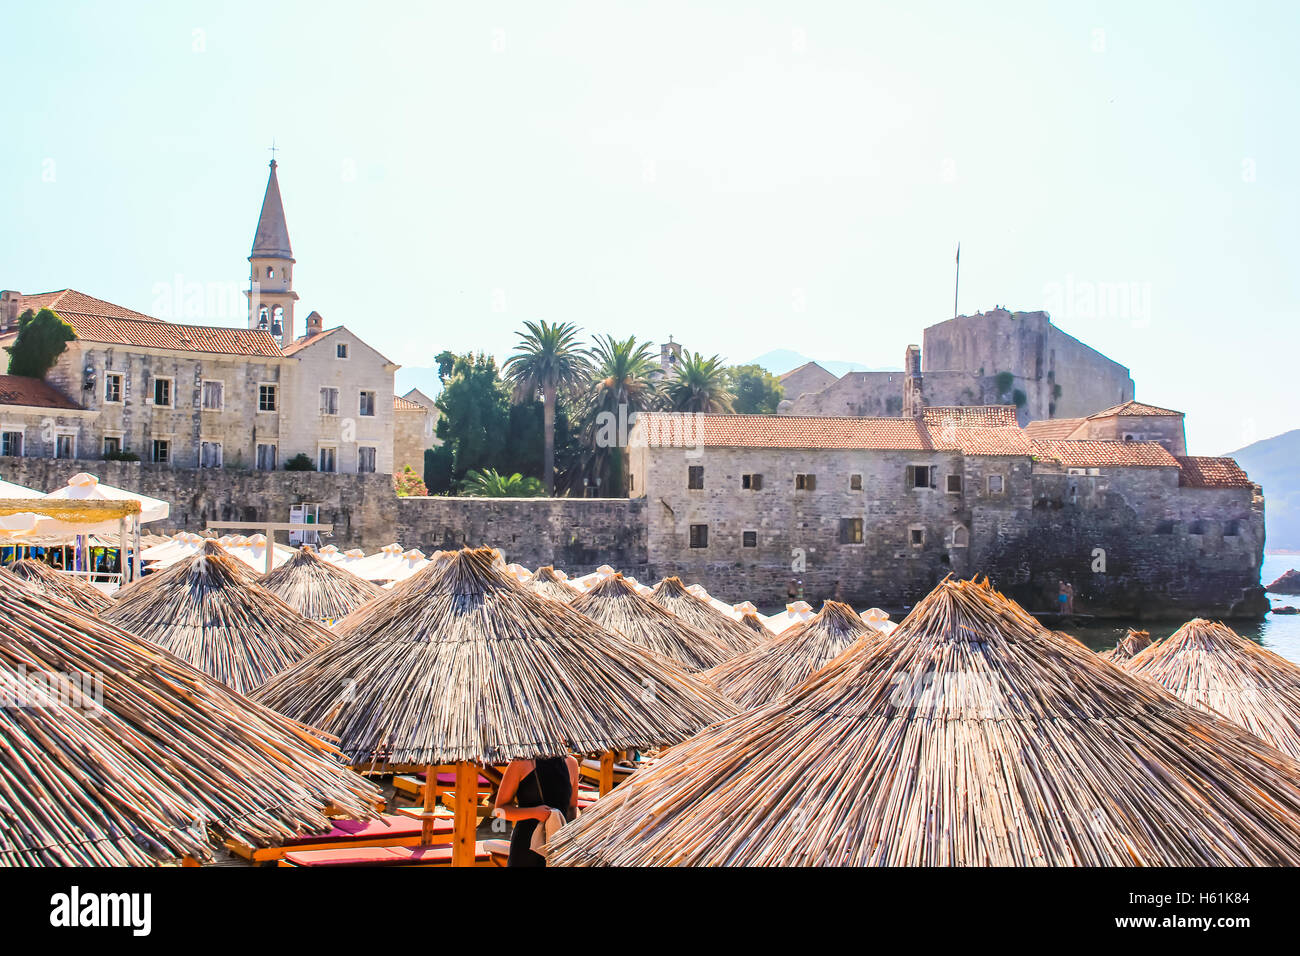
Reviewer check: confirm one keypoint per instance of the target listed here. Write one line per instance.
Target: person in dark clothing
(529, 790)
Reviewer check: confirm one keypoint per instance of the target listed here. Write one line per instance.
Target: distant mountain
(425, 379)
(780, 361)
(1275, 464)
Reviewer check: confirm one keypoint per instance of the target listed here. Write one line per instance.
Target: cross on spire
(273, 148)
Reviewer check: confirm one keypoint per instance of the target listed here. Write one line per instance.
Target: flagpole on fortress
(956, 282)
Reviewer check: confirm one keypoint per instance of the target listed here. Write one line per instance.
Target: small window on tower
(341, 350)
(270, 272)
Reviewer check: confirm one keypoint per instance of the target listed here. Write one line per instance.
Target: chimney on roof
(9, 301)
(314, 323)
(913, 390)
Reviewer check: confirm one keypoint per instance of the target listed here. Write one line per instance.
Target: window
(695, 478)
(631, 482)
(751, 482)
(263, 318)
(850, 531)
(960, 536)
(162, 392)
(699, 536)
(328, 458)
(214, 395)
(341, 350)
(954, 484)
(366, 460)
(161, 453)
(266, 455)
(1196, 527)
(266, 398)
(916, 537)
(112, 387)
(1165, 527)
(366, 406)
(270, 272)
(805, 482)
(1231, 529)
(996, 483)
(855, 482)
(65, 446)
(329, 402)
(922, 476)
(11, 444)
(210, 454)
(112, 445)
(749, 539)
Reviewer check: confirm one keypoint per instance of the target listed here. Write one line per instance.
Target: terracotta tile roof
(307, 340)
(95, 320)
(981, 415)
(1053, 429)
(1199, 472)
(788, 431)
(1134, 408)
(1100, 454)
(406, 405)
(34, 392)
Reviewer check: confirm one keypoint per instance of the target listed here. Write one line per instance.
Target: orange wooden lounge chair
(388, 830)
(439, 855)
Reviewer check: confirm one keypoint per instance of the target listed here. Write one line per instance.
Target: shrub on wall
(408, 484)
(300, 462)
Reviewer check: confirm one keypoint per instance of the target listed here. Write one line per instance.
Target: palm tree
(699, 385)
(548, 362)
(490, 484)
(623, 376)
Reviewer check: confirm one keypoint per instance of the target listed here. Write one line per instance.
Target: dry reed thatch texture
(211, 616)
(782, 663)
(179, 569)
(1129, 647)
(753, 622)
(1209, 665)
(67, 588)
(465, 664)
(671, 595)
(968, 736)
(170, 754)
(615, 605)
(545, 582)
(318, 589)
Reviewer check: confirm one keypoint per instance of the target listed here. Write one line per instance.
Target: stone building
(882, 508)
(1127, 421)
(809, 377)
(995, 357)
(193, 396)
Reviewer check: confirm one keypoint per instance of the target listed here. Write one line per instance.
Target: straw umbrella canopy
(209, 547)
(782, 663)
(615, 604)
(114, 752)
(969, 736)
(673, 596)
(463, 665)
(752, 620)
(1128, 648)
(210, 615)
(317, 589)
(66, 587)
(548, 584)
(1209, 665)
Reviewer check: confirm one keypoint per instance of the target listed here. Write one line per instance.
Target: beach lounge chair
(437, 855)
(389, 830)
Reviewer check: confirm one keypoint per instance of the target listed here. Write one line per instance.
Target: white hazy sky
(744, 176)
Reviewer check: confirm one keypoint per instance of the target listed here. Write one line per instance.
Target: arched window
(270, 272)
(263, 317)
(960, 536)
(277, 320)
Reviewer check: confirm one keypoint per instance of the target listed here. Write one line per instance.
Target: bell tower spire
(270, 281)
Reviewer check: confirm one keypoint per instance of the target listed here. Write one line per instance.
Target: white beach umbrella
(795, 612)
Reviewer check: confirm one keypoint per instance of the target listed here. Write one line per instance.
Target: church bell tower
(270, 282)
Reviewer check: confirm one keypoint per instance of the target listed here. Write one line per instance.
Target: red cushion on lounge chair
(388, 825)
(449, 780)
(378, 856)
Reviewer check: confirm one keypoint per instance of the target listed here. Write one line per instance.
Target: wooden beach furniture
(393, 829)
(438, 855)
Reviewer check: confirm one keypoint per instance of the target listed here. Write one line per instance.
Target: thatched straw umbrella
(548, 584)
(463, 665)
(615, 605)
(672, 595)
(1128, 648)
(125, 755)
(317, 589)
(180, 569)
(208, 614)
(969, 736)
(1211, 666)
(753, 621)
(782, 663)
(65, 587)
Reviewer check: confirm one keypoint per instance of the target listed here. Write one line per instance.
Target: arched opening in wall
(960, 536)
(270, 272)
(250, 514)
(263, 318)
(277, 320)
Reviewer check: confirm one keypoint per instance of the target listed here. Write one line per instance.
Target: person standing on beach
(1062, 597)
(529, 791)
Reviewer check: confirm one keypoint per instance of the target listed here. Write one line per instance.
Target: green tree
(622, 383)
(475, 407)
(42, 338)
(549, 363)
(491, 484)
(756, 391)
(699, 384)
